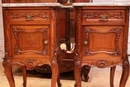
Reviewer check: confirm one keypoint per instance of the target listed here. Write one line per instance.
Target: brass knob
(29, 17)
(46, 42)
(85, 42)
(104, 17)
(68, 2)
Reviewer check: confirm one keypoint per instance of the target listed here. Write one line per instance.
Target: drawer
(103, 17)
(29, 16)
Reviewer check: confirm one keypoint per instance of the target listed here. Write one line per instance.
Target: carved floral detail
(54, 54)
(7, 39)
(16, 31)
(67, 66)
(43, 69)
(95, 15)
(77, 51)
(126, 63)
(44, 31)
(53, 39)
(31, 63)
(43, 15)
(102, 63)
(15, 16)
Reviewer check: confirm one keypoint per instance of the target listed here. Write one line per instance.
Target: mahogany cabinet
(31, 39)
(101, 40)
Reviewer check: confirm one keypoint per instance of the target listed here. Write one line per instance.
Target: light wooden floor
(98, 78)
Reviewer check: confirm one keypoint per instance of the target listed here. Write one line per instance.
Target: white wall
(129, 37)
(109, 0)
(2, 34)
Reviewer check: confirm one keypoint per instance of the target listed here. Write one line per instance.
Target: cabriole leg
(8, 72)
(55, 72)
(125, 73)
(77, 70)
(112, 72)
(24, 76)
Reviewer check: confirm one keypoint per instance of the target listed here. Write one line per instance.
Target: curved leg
(24, 76)
(85, 71)
(112, 72)
(58, 80)
(8, 72)
(77, 70)
(55, 73)
(125, 73)
(59, 60)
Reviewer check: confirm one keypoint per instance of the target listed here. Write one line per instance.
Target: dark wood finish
(67, 59)
(31, 40)
(101, 40)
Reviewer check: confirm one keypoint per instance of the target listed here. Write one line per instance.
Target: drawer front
(32, 41)
(29, 16)
(103, 17)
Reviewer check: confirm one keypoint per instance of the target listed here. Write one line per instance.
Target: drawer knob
(68, 2)
(103, 18)
(29, 17)
(85, 42)
(46, 42)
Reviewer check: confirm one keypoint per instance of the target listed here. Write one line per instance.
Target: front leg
(125, 73)
(8, 72)
(59, 60)
(55, 73)
(77, 70)
(24, 75)
(112, 73)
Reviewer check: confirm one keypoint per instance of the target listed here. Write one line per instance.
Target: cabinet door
(30, 41)
(102, 41)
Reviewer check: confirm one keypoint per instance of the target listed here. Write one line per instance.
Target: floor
(98, 78)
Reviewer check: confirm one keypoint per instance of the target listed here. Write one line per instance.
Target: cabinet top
(119, 3)
(30, 4)
(66, 6)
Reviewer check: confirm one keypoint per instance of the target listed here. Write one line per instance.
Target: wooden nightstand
(31, 40)
(101, 40)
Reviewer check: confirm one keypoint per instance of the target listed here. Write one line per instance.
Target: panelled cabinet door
(30, 41)
(102, 41)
